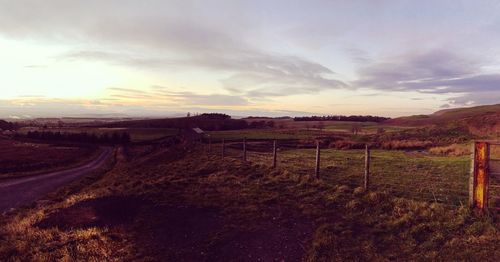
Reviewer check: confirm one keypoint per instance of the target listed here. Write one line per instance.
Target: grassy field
(19, 158)
(136, 134)
(366, 127)
(336, 126)
(267, 134)
(441, 179)
(179, 205)
(305, 130)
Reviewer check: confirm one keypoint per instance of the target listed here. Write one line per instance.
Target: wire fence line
(410, 174)
(494, 183)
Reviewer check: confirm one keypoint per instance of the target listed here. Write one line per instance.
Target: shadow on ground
(186, 233)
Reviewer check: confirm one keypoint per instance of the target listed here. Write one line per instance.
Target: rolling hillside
(480, 120)
(204, 121)
(4, 125)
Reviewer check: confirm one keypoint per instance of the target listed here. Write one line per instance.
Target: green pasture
(414, 175)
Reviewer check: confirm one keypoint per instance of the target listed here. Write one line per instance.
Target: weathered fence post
(479, 177)
(274, 153)
(471, 174)
(245, 149)
(316, 172)
(367, 167)
(223, 148)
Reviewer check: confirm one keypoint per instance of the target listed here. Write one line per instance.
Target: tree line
(104, 138)
(377, 119)
(208, 121)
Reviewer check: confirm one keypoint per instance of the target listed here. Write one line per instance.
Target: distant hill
(205, 121)
(480, 120)
(4, 125)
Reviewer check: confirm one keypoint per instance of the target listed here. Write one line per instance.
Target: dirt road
(22, 191)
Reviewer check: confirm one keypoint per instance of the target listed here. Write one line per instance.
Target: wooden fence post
(471, 174)
(223, 148)
(245, 149)
(480, 176)
(367, 168)
(316, 171)
(274, 153)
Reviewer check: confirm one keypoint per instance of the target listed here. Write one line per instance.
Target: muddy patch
(178, 233)
(187, 233)
(99, 212)
(278, 241)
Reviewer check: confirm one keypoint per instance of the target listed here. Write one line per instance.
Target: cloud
(264, 50)
(127, 90)
(281, 76)
(161, 95)
(167, 36)
(253, 73)
(434, 72)
(358, 55)
(36, 66)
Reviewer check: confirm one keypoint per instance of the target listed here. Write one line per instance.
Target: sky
(260, 58)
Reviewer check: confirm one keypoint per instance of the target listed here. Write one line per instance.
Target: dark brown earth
(177, 232)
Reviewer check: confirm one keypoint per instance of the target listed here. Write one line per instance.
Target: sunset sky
(162, 58)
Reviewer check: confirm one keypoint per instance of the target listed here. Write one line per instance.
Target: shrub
(451, 150)
(406, 144)
(344, 144)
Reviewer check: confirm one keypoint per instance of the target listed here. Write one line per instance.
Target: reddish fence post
(245, 149)
(274, 153)
(316, 171)
(479, 177)
(367, 167)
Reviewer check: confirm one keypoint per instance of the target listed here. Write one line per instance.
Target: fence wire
(494, 188)
(414, 175)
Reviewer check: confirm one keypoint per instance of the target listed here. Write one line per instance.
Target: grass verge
(199, 208)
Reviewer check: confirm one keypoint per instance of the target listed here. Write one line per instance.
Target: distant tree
(342, 118)
(215, 116)
(188, 114)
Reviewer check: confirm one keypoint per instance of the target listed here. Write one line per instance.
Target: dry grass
(21, 240)
(348, 223)
(451, 150)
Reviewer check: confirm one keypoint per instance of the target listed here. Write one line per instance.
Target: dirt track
(22, 191)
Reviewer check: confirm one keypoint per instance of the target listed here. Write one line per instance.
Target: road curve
(22, 191)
